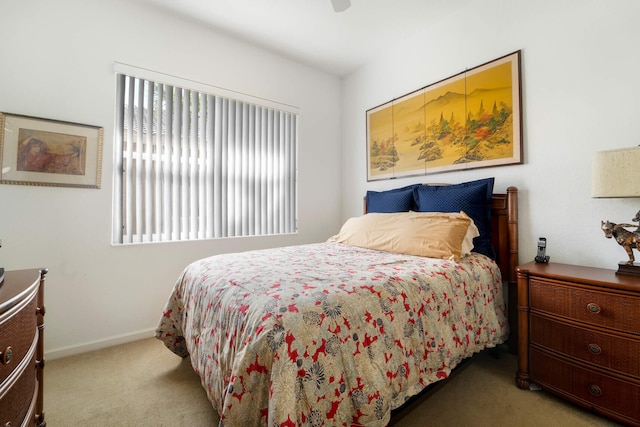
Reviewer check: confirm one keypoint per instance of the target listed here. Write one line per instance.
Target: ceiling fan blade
(341, 5)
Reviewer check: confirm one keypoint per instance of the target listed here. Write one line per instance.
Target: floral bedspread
(328, 334)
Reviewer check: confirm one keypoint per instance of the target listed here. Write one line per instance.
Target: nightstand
(579, 336)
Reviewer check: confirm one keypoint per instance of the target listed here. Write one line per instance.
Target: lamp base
(629, 269)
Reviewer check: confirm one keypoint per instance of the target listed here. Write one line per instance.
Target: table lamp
(616, 174)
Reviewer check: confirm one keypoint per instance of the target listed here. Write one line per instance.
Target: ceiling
(311, 32)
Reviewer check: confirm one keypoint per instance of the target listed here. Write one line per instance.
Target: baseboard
(98, 344)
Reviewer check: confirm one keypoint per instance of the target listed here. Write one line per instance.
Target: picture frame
(470, 120)
(37, 151)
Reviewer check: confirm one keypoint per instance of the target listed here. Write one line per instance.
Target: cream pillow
(429, 234)
(472, 233)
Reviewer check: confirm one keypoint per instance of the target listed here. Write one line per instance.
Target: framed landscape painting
(470, 120)
(36, 151)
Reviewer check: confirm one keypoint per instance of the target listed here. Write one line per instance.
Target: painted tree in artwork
(384, 155)
(429, 150)
(438, 134)
(486, 130)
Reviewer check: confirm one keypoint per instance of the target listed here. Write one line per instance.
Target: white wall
(56, 62)
(581, 94)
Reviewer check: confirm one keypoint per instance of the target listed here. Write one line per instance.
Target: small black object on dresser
(541, 256)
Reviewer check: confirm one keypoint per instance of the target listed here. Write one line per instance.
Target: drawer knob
(595, 349)
(595, 390)
(593, 307)
(5, 356)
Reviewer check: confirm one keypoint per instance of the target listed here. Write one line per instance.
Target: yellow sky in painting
(380, 125)
(440, 89)
(493, 78)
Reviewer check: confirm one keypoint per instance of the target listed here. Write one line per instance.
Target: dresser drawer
(605, 350)
(607, 309)
(17, 404)
(588, 388)
(17, 332)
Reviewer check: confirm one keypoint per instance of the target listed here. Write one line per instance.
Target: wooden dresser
(579, 336)
(22, 348)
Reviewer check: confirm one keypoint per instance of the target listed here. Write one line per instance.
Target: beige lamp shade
(616, 173)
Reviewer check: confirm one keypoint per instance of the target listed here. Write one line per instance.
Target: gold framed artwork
(470, 120)
(35, 151)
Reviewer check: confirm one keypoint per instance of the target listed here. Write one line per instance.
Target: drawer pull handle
(5, 356)
(595, 349)
(593, 307)
(595, 390)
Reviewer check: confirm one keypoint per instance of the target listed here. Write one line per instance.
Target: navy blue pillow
(473, 197)
(396, 200)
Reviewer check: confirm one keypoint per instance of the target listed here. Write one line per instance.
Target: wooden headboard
(504, 229)
(504, 234)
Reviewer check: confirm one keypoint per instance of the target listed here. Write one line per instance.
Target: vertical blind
(193, 165)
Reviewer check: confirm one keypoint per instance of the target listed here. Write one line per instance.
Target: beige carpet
(144, 384)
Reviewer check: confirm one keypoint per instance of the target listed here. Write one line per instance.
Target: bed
(336, 333)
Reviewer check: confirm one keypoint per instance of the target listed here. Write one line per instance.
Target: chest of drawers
(21, 348)
(579, 336)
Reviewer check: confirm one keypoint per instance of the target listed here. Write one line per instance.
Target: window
(192, 165)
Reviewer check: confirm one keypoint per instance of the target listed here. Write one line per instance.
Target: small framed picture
(35, 151)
